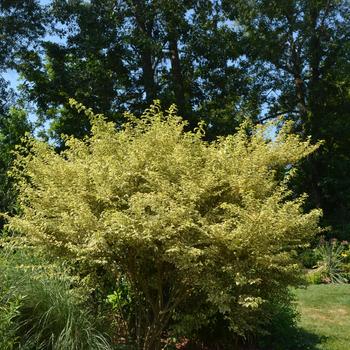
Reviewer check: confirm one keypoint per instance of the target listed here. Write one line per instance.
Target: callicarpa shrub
(174, 214)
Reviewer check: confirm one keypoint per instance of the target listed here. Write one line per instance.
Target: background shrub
(308, 258)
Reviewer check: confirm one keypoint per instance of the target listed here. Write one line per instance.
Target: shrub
(173, 214)
(308, 258)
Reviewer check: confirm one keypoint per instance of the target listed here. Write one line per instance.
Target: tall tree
(21, 25)
(300, 51)
(145, 33)
(21, 22)
(84, 58)
(116, 55)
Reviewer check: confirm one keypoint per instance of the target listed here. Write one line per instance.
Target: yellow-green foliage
(173, 213)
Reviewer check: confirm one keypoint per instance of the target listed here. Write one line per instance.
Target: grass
(325, 316)
(40, 310)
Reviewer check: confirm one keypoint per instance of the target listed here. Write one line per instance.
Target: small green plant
(123, 308)
(314, 276)
(9, 310)
(120, 298)
(331, 255)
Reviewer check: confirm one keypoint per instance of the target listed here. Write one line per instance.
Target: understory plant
(175, 216)
(40, 309)
(9, 310)
(331, 257)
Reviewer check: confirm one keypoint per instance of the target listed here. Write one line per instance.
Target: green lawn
(325, 316)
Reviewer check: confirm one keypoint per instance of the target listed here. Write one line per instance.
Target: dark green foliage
(21, 22)
(13, 126)
(282, 331)
(112, 58)
(308, 258)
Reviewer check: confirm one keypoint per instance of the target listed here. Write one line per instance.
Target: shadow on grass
(295, 339)
(305, 340)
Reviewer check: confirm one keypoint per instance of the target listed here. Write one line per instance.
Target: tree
(299, 51)
(220, 61)
(13, 127)
(21, 24)
(85, 60)
(173, 214)
(116, 58)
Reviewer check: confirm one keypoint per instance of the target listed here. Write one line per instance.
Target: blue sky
(12, 76)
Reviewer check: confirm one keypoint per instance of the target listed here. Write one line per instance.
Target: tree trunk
(179, 86)
(148, 75)
(146, 28)
(153, 338)
(177, 75)
(315, 114)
